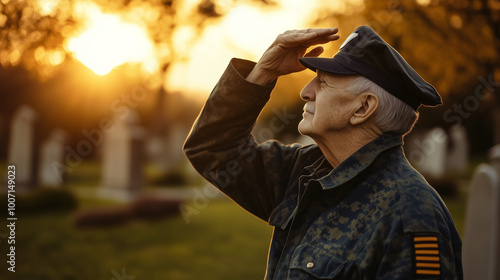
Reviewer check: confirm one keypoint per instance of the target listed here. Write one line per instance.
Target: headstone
(2, 125)
(458, 157)
(51, 154)
(21, 149)
(481, 245)
(428, 152)
(494, 155)
(123, 157)
(165, 150)
(4, 131)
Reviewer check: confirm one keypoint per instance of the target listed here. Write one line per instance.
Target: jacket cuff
(235, 78)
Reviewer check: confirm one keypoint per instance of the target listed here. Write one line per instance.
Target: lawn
(222, 242)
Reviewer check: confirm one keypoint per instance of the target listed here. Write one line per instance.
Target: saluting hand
(282, 57)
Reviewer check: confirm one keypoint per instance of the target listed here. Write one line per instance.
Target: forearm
(221, 148)
(229, 113)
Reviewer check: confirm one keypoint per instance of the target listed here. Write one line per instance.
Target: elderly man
(350, 207)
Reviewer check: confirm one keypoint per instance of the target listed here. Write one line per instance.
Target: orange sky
(245, 31)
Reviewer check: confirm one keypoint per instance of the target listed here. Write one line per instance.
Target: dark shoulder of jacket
(421, 207)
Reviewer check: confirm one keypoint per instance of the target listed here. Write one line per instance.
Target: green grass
(86, 173)
(221, 242)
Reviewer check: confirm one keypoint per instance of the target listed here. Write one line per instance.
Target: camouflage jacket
(371, 217)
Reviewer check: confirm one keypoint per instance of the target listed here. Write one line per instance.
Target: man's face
(329, 106)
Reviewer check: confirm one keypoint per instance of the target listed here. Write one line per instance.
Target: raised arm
(220, 145)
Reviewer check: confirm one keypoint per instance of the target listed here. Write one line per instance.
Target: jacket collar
(347, 170)
(359, 161)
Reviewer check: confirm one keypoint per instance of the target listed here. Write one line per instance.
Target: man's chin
(304, 129)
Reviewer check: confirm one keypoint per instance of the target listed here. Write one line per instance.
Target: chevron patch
(426, 254)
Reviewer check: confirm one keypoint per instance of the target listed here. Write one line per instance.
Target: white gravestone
(165, 151)
(458, 157)
(123, 157)
(494, 155)
(429, 153)
(22, 146)
(52, 154)
(481, 244)
(3, 125)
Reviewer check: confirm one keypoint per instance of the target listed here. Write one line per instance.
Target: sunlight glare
(47, 7)
(108, 42)
(424, 2)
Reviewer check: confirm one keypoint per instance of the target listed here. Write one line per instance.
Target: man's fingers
(323, 40)
(315, 52)
(282, 56)
(323, 31)
(319, 31)
(308, 37)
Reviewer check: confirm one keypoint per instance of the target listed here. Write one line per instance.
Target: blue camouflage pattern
(355, 221)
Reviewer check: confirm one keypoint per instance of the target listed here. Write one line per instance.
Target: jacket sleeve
(221, 148)
(417, 254)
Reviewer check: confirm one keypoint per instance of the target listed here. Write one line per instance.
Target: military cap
(365, 53)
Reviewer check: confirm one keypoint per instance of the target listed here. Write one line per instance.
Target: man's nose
(308, 93)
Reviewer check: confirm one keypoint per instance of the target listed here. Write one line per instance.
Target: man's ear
(368, 104)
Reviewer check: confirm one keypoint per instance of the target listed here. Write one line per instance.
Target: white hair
(392, 115)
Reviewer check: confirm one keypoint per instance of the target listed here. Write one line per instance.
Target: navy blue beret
(365, 53)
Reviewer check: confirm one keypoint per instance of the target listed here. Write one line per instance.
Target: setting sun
(108, 41)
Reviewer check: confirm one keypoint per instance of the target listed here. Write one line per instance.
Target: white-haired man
(350, 207)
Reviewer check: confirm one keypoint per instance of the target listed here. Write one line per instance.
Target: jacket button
(310, 265)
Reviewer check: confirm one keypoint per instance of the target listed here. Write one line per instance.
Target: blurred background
(97, 98)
